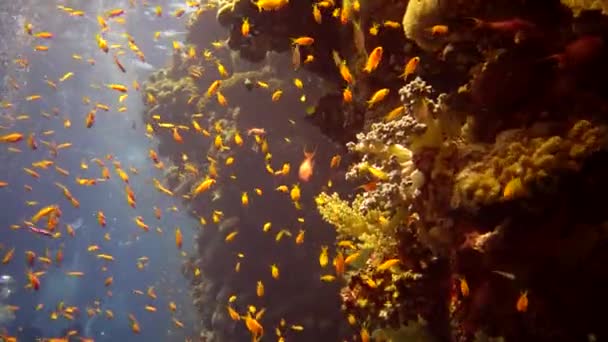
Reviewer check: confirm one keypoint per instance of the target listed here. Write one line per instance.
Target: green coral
(526, 160)
(414, 331)
(577, 6)
(168, 90)
(349, 221)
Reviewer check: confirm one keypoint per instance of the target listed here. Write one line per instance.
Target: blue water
(118, 134)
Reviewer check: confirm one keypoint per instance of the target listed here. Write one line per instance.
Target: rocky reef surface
(477, 148)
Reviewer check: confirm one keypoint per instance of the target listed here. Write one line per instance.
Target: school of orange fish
(45, 221)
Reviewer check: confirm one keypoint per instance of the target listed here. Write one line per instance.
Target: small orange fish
(371, 186)
(118, 87)
(373, 60)
(303, 41)
(464, 287)
(8, 256)
(33, 280)
(347, 95)
(439, 30)
(307, 166)
(316, 13)
(101, 218)
(213, 87)
(345, 73)
(522, 302)
(59, 257)
(44, 35)
(176, 136)
(90, 120)
(109, 280)
(245, 27)
(30, 258)
(11, 138)
(133, 321)
(178, 238)
(116, 12)
(410, 67)
(31, 142)
(339, 264)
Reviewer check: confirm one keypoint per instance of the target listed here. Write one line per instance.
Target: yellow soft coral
(350, 221)
(577, 6)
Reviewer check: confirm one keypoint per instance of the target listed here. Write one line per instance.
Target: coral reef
(443, 187)
(577, 6)
(519, 163)
(479, 177)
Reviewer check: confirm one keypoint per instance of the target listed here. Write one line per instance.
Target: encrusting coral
(517, 164)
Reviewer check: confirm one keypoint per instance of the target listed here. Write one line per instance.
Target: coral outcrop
(478, 179)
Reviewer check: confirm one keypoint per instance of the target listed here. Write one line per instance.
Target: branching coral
(346, 218)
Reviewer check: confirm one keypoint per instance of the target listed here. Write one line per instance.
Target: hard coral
(531, 161)
(577, 6)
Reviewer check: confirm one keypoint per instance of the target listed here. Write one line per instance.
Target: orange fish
(302, 41)
(139, 221)
(59, 256)
(90, 120)
(178, 238)
(368, 186)
(11, 138)
(115, 12)
(373, 60)
(44, 35)
(30, 257)
(31, 142)
(176, 136)
(307, 166)
(8, 256)
(134, 324)
(118, 87)
(439, 30)
(101, 218)
(410, 67)
(522, 302)
(345, 73)
(33, 280)
(464, 287)
(347, 95)
(339, 264)
(245, 27)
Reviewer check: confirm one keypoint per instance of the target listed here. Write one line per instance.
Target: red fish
(579, 51)
(511, 25)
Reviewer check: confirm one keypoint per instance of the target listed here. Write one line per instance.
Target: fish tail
(257, 4)
(477, 23)
(559, 58)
